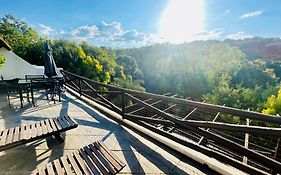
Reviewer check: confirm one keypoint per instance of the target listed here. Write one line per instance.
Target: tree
(2, 60)
(19, 35)
(273, 104)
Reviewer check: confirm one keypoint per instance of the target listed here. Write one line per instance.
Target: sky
(136, 23)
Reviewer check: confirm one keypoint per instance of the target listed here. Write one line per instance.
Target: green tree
(2, 60)
(273, 104)
(21, 37)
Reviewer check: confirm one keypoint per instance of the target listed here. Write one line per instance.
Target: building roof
(4, 44)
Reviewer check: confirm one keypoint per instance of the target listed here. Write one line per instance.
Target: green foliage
(2, 60)
(186, 69)
(273, 104)
(128, 83)
(22, 38)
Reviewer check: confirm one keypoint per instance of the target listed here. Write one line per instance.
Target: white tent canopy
(15, 66)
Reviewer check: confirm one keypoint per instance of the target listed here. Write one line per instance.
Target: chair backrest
(30, 77)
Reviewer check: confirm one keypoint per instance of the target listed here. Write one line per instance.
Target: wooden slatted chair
(95, 158)
(25, 133)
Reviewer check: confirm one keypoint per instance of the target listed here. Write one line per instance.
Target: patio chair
(12, 137)
(95, 158)
(50, 85)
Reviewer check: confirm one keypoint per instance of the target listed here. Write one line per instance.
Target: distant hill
(257, 47)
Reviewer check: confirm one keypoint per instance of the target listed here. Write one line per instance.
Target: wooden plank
(116, 165)
(66, 165)
(96, 160)
(61, 123)
(22, 131)
(44, 127)
(57, 123)
(66, 122)
(116, 108)
(17, 134)
(102, 159)
(111, 153)
(33, 130)
(74, 164)
(50, 169)
(10, 136)
(88, 161)
(72, 123)
(246, 144)
(48, 125)
(58, 167)
(42, 171)
(151, 120)
(53, 125)
(81, 163)
(39, 128)
(214, 119)
(28, 132)
(268, 131)
(4, 137)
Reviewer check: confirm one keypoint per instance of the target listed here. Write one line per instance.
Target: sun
(182, 20)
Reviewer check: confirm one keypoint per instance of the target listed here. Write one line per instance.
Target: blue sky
(134, 23)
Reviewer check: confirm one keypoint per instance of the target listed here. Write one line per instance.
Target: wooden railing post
(80, 87)
(123, 102)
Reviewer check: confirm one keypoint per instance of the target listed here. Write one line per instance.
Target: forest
(245, 74)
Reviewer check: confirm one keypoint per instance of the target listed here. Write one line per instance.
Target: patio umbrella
(49, 62)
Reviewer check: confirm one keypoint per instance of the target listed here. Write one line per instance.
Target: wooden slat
(58, 167)
(111, 153)
(246, 144)
(102, 159)
(74, 164)
(33, 130)
(53, 125)
(48, 125)
(42, 171)
(72, 123)
(28, 132)
(22, 132)
(66, 165)
(108, 156)
(95, 160)
(16, 134)
(39, 128)
(10, 136)
(81, 163)
(58, 125)
(44, 127)
(50, 169)
(61, 123)
(4, 137)
(67, 124)
(88, 161)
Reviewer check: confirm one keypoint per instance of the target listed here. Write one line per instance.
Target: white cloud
(238, 36)
(84, 32)
(113, 28)
(106, 34)
(251, 14)
(210, 35)
(45, 30)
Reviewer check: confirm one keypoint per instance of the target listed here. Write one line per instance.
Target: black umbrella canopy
(49, 63)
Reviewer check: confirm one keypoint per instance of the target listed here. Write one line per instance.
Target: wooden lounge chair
(95, 158)
(25, 133)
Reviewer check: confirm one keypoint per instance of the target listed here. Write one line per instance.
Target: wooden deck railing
(198, 125)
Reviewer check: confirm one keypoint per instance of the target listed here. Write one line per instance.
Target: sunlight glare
(182, 20)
